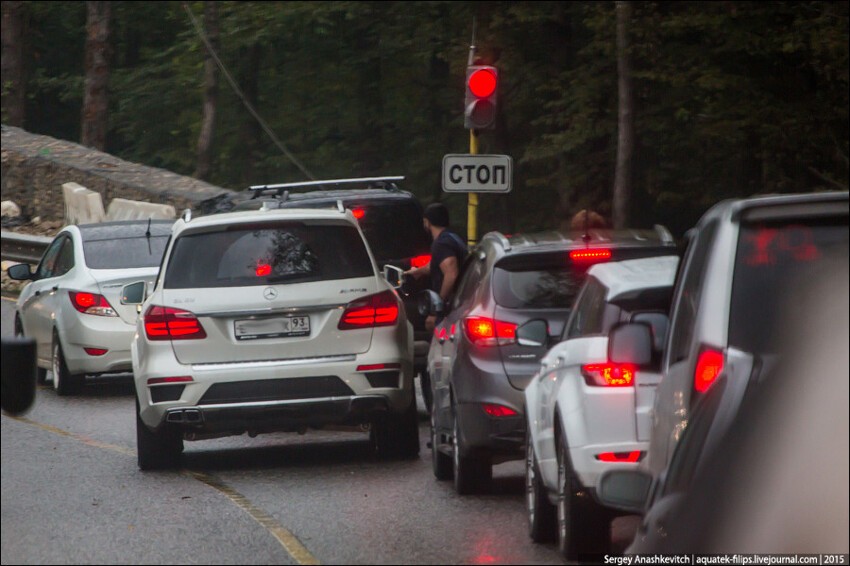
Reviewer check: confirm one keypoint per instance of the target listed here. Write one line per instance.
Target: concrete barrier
(82, 206)
(124, 209)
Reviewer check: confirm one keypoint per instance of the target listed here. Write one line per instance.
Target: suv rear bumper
(277, 416)
(501, 438)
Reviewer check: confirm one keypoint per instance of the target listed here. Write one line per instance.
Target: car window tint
(47, 265)
(773, 262)
(588, 317)
(65, 259)
(535, 288)
(473, 270)
(685, 316)
(394, 231)
(267, 254)
(124, 253)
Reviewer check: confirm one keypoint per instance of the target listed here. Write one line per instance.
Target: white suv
(270, 320)
(587, 414)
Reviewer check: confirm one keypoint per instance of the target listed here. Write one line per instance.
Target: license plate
(278, 327)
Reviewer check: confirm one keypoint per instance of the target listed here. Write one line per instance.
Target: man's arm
(417, 272)
(449, 267)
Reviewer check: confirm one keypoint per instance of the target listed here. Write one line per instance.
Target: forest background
(729, 98)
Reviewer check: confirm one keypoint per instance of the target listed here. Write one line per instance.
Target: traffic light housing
(482, 85)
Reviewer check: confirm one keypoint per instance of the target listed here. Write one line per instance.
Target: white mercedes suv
(269, 321)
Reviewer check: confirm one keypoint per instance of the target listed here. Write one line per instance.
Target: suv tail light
(634, 456)
(483, 331)
(375, 310)
(168, 323)
(609, 374)
(709, 366)
(420, 261)
(91, 303)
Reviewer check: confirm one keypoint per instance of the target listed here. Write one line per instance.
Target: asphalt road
(72, 493)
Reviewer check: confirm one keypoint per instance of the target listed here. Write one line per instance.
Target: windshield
(267, 254)
(124, 253)
(773, 263)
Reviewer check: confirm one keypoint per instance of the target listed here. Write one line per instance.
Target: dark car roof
(124, 229)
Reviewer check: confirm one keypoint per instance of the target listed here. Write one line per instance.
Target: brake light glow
(483, 331)
(375, 310)
(176, 379)
(590, 256)
(634, 456)
(358, 213)
(609, 374)
(440, 333)
(168, 323)
(709, 366)
(95, 351)
(377, 367)
(91, 303)
(263, 269)
(498, 410)
(420, 260)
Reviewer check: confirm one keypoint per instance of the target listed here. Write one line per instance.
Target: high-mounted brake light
(609, 374)
(91, 303)
(375, 310)
(709, 366)
(358, 213)
(634, 456)
(420, 261)
(498, 410)
(483, 331)
(589, 256)
(168, 323)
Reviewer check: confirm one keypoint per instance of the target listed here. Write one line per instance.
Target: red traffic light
(482, 83)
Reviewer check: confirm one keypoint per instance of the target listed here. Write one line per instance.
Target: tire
(542, 518)
(40, 373)
(425, 385)
(440, 462)
(583, 525)
(471, 474)
(396, 436)
(157, 450)
(64, 382)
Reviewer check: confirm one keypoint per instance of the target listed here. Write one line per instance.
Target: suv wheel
(440, 462)
(471, 474)
(541, 513)
(397, 436)
(64, 382)
(583, 525)
(157, 450)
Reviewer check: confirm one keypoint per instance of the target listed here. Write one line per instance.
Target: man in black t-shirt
(447, 254)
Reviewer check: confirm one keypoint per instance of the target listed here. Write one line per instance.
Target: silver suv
(270, 320)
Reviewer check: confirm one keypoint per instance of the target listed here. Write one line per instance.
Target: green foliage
(731, 98)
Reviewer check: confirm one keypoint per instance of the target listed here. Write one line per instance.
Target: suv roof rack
(386, 183)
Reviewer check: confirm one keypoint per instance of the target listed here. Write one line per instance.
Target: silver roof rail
(503, 240)
(664, 234)
(339, 206)
(327, 182)
(187, 215)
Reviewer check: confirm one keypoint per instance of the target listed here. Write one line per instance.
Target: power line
(239, 93)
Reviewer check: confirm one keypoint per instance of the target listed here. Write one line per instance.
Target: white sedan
(586, 414)
(72, 307)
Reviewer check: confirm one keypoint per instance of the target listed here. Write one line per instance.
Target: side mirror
(133, 294)
(659, 323)
(393, 275)
(626, 490)
(20, 272)
(18, 375)
(533, 333)
(429, 303)
(630, 344)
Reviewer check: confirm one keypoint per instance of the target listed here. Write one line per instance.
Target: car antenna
(148, 231)
(586, 236)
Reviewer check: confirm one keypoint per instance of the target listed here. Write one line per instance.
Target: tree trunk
(210, 93)
(13, 98)
(625, 120)
(95, 96)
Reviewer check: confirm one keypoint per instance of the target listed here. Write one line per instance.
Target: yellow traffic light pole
(472, 203)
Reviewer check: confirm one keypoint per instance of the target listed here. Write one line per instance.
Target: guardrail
(23, 247)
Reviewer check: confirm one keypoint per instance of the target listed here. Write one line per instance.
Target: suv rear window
(537, 281)
(124, 253)
(773, 263)
(267, 254)
(393, 230)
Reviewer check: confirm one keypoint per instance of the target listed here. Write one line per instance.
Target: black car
(479, 362)
(391, 220)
